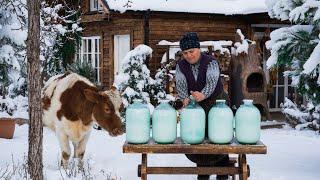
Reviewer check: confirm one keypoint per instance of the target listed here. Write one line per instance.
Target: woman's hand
(198, 96)
(185, 102)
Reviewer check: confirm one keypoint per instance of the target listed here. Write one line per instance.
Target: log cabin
(114, 27)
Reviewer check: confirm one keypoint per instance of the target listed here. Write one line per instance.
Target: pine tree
(60, 36)
(297, 47)
(12, 47)
(135, 81)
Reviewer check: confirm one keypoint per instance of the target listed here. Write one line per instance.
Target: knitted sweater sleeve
(212, 77)
(181, 84)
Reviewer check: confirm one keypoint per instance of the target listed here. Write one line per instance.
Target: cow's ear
(91, 95)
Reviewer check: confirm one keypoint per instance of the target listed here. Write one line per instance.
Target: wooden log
(194, 170)
(244, 168)
(144, 167)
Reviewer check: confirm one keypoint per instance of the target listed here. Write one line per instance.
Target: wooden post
(243, 166)
(144, 167)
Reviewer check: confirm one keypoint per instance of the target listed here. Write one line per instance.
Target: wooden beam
(270, 25)
(194, 170)
(205, 148)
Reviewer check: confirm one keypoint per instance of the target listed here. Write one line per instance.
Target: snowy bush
(76, 170)
(302, 117)
(134, 80)
(83, 169)
(84, 69)
(16, 107)
(15, 170)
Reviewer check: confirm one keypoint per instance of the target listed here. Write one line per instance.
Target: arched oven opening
(255, 82)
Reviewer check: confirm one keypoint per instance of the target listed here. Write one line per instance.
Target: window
(281, 89)
(95, 6)
(121, 48)
(90, 52)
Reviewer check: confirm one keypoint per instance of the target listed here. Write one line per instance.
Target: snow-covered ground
(292, 155)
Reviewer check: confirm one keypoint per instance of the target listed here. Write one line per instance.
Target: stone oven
(248, 80)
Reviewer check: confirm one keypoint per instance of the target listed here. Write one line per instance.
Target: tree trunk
(34, 88)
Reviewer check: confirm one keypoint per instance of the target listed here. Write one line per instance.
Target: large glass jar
(137, 122)
(220, 123)
(164, 123)
(193, 122)
(248, 120)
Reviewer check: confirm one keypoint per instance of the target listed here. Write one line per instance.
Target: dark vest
(199, 84)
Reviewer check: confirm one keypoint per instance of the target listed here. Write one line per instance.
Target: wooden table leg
(243, 167)
(144, 167)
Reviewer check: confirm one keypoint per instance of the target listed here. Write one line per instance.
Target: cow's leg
(65, 147)
(79, 149)
(81, 146)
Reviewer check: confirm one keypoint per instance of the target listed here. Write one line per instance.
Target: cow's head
(106, 110)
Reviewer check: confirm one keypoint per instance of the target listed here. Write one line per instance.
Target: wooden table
(178, 147)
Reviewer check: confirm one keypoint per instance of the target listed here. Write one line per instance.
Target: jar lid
(247, 101)
(137, 100)
(220, 101)
(164, 100)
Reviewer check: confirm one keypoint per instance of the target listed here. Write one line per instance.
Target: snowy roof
(227, 7)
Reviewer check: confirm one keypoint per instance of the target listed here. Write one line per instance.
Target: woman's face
(192, 55)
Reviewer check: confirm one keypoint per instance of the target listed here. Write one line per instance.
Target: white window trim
(116, 63)
(285, 86)
(92, 5)
(92, 53)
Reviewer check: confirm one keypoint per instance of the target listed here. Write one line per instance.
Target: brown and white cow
(71, 104)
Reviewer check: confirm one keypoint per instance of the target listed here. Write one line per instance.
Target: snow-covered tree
(301, 116)
(134, 80)
(12, 46)
(60, 36)
(297, 47)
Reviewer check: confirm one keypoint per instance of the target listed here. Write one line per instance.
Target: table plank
(193, 170)
(204, 148)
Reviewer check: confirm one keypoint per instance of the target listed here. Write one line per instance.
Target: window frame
(117, 63)
(94, 5)
(95, 53)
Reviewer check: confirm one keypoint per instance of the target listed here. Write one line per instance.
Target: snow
(140, 50)
(301, 11)
(17, 106)
(313, 60)
(241, 47)
(295, 11)
(227, 7)
(291, 155)
(282, 37)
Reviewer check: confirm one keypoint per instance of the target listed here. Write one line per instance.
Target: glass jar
(220, 123)
(137, 122)
(164, 123)
(248, 121)
(193, 122)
